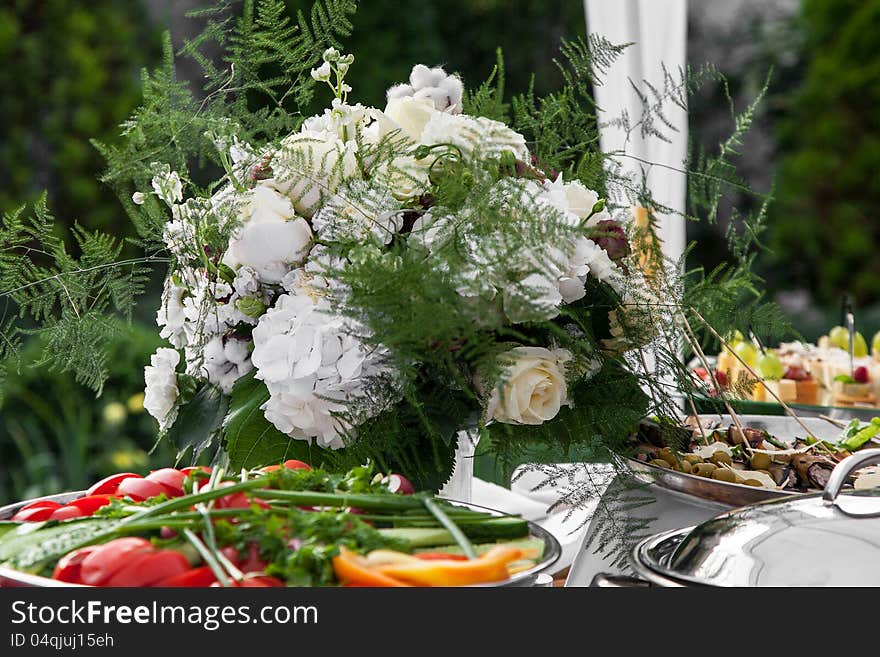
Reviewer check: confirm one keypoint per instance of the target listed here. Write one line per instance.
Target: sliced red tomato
(170, 479)
(293, 464)
(194, 577)
(108, 485)
(39, 504)
(139, 489)
(440, 556)
(66, 513)
(147, 568)
(35, 514)
(90, 503)
(68, 567)
(255, 580)
(110, 558)
(237, 500)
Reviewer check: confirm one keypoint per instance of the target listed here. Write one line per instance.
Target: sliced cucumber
(488, 530)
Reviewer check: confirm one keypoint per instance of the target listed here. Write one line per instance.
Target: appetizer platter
(838, 371)
(283, 525)
(745, 459)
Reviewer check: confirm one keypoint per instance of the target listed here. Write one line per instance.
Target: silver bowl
(552, 550)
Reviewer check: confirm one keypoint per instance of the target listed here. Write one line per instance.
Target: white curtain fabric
(658, 30)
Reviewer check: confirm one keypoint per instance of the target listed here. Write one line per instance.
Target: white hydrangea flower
(475, 136)
(224, 361)
(161, 389)
(246, 282)
(171, 315)
(271, 238)
(357, 211)
(313, 366)
(310, 167)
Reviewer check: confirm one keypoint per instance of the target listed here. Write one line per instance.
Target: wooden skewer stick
(695, 345)
(785, 406)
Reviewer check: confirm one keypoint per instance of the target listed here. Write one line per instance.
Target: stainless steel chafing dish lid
(827, 539)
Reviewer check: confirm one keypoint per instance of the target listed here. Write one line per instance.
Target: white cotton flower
(313, 366)
(161, 390)
(171, 315)
(168, 187)
(476, 137)
(310, 167)
(531, 388)
(271, 238)
(434, 84)
(356, 212)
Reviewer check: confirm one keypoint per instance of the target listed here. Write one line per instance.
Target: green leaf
(251, 440)
(31, 545)
(198, 421)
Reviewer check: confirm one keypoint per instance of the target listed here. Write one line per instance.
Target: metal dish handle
(844, 469)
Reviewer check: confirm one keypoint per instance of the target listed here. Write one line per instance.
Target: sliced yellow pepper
(352, 569)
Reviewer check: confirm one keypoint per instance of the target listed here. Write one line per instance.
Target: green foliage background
(825, 225)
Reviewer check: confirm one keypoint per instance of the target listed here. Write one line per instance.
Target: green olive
(660, 463)
(720, 457)
(693, 459)
(703, 469)
(759, 461)
(723, 474)
(752, 482)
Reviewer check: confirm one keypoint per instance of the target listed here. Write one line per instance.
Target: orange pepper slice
(490, 567)
(352, 570)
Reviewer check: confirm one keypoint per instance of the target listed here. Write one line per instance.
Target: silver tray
(734, 495)
(551, 554)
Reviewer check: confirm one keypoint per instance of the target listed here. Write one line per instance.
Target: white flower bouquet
(367, 283)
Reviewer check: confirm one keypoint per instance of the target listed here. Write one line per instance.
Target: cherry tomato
(194, 577)
(68, 567)
(108, 559)
(293, 464)
(139, 489)
(147, 568)
(90, 503)
(440, 556)
(170, 479)
(108, 485)
(35, 514)
(66, 512)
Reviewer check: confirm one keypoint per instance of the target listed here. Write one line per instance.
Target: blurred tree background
(72, 73)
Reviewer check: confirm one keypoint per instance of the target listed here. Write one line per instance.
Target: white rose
(532, 386)
(271, 238)
(310, 167)
(161, 389)
(409, 115)
(476, 137)
(404, 176)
